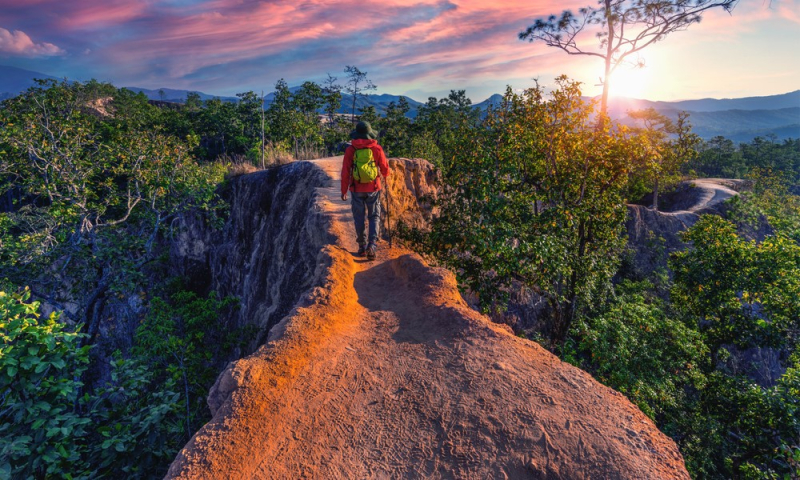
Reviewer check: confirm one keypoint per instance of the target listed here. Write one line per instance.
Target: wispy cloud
(16, 42)
(232, 45)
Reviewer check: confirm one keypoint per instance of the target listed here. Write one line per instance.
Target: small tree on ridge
(357, 84)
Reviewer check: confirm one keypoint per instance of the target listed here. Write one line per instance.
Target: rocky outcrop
(413, 186)
(381, 370)
(266, 253)
(653, 235)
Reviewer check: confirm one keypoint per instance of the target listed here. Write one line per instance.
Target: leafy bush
(40, 368)
(637, 349)
(135, 424)
(740, 295)
(181, 342)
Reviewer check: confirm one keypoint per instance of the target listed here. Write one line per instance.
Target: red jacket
(347, 167)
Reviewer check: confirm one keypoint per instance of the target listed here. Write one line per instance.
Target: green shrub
(40, 369)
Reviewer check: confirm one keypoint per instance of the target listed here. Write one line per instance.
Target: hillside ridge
(383, 371)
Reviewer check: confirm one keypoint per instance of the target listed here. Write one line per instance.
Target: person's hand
(344, 196)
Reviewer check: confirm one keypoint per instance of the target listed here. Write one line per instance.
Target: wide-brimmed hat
(363, 131)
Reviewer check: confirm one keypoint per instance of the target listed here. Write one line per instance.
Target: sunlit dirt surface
(382, 371)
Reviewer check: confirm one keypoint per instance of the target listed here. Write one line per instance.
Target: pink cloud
(230, 43)
(92, 15)
(16, 42)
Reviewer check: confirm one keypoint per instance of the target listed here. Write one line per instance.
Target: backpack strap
(353, 169)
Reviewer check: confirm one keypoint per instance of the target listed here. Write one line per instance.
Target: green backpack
(364, 168)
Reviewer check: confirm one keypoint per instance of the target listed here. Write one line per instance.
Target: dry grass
(239, 169)
(277, 154)
(307, 152)
(237, 165)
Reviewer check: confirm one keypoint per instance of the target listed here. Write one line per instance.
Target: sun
(630, 83)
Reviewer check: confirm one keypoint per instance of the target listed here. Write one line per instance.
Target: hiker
(363, 159)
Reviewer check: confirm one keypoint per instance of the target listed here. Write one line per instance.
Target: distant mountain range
(177, 96)
(739, 119)
(16, 80)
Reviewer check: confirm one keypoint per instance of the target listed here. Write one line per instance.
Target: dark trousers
(366, 205)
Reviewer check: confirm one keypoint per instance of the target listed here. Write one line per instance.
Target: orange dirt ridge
(383, 371)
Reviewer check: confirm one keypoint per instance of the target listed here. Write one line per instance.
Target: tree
(718, 158)
(741, 295)
(193, 101)
(395, 128)
(439, 121)
(534, 195)
(95, 195)
(332, 93)
(248, 112)
(306, 129)
(669, 145)
(357, 84)
(179, 340)
(368, 114)
(624, 28)
(51, 427)
(280, 113)
(221, 123)
(639, 350)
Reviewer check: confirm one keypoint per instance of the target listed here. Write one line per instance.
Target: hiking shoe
(362, 250)
(371, 251)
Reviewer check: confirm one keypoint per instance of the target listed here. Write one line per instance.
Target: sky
(418, 48)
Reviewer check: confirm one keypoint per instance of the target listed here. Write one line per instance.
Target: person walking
(363, 160)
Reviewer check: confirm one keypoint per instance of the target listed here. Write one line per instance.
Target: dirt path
(712, 192)
(384, 372)
(705, 193)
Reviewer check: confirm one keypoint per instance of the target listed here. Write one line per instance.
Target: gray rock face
(266, 253)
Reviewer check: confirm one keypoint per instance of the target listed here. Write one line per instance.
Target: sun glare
(630, 83)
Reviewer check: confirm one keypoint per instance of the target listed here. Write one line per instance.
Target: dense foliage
(91, 192)
(133, 424)
(534, 195)
(92, 179)
(720, 157)
(715, 364)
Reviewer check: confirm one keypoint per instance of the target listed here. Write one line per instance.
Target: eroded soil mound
(383, 371)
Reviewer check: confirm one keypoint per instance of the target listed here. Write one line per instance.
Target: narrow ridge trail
(384, 372)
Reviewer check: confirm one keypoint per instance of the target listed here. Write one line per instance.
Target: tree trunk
(188, 405)
(655, 195)
(94, 311)
(263, 165)
(608, 57)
